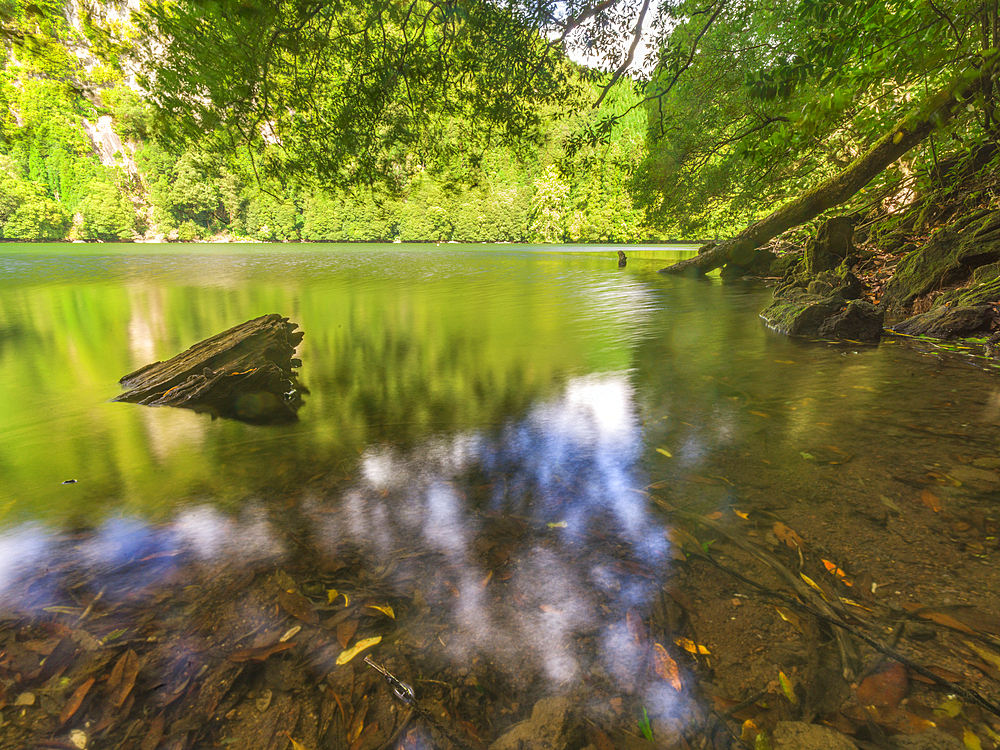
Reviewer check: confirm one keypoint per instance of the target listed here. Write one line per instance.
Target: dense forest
(84, 155)
(469, 122)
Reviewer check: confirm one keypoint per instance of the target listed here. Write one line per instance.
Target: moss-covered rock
(948, 258)
(799, 313)
(946, 322)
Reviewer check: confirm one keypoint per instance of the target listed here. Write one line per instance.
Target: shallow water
(450, 387)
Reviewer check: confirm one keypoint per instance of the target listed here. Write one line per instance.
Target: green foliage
(106, 214)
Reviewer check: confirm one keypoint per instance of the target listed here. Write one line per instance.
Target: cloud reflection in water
(541, 599)
(555, 611)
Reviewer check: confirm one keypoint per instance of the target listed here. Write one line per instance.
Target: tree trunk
(245, 373)
(907, 133)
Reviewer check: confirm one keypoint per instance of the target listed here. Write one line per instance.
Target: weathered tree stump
(246, 373)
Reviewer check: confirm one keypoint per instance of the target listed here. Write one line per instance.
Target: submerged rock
(797, 735)
(945, 322)
(799, 313)
(553, 726)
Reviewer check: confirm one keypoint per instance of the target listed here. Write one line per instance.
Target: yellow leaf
(790, 617)
(346, 656)
(331, 597)
(295, 745)
(785, 361)
(759, 413)
(787, 689)
(665, 452)
(812, 584)
(691, 647)
(897, 136)
(559, 525)
(741, 514)
(347, 600)
(386, 610)
(970, 740)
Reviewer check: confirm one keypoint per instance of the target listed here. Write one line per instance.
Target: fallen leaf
(73, 704)
(262, 653)
(970, 740)
(665, 452)
(295, 745)
(832, 569)
(298, 606)
(760, 414)
(790, 617)
(931, 500)
(331, 595)
(346, 631)
(558, 525)
(741, 514)
(787, 688)
(358, 647)
(636, 628)
(666, 667)
(939, 617)
(126, 669)
(788, 536)
(363, 737)
(358, 720)
(385, 610)
(691, 647)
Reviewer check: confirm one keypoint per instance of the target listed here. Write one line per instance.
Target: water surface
(450, 387)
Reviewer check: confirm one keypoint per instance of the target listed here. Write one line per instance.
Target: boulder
(945, 322)
(553, 726)
(799, 313)
(831, 246)
(947, 259)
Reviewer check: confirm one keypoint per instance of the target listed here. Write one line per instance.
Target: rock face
(245, 373)
(945, 322)
(948, 258)
(799, 313)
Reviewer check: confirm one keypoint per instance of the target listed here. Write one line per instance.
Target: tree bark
(906, 134)
(245, 373)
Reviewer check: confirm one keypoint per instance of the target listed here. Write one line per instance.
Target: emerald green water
(400, 344)
(452, 389)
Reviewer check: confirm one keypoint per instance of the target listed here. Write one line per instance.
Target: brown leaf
(363, 738)
(788, 536)
(154, 735)
(298, 606)
(931, 500)
(262, 653)
(885, 687)
(346, 631)
(666, 667)
(939, 617)
(636, 628)
(73, 704)
(358, 721)
(127, 669)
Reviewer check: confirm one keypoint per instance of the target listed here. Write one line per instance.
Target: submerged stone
(945, 322)
(799, 313)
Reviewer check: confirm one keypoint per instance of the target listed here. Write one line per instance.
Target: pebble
(78, 738)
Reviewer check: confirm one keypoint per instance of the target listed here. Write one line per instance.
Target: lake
(452, 390)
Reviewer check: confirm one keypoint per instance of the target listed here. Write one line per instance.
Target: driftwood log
(246, 373)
